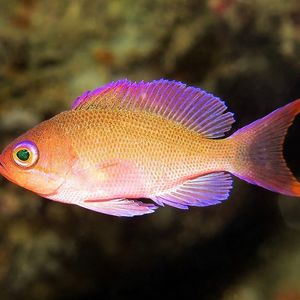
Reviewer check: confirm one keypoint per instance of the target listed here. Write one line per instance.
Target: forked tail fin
(259, 149)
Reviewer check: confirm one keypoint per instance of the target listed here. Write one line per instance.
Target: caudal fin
(260, 151)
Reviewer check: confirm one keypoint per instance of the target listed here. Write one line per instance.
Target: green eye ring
(25, 154)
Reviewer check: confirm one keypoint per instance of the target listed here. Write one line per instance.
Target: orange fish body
(153, 140)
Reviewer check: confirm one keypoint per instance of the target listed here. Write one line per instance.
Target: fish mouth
(3, 171)
(1, 166)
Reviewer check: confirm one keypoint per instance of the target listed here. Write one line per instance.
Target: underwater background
(246, 52)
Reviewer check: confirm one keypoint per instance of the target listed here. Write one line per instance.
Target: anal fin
(205, 190)
(119, 207)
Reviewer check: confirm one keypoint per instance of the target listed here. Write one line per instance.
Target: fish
(162, 140)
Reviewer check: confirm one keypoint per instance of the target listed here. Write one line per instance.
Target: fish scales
(149, 141)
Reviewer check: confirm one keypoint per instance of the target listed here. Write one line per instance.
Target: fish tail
(259, 151)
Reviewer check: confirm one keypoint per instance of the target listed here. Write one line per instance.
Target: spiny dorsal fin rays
(192, 107)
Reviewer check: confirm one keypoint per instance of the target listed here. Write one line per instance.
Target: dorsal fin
(192, 107)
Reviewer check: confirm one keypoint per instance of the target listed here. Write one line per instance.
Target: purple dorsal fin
(192, 107)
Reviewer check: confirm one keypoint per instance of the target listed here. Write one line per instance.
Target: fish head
(38, 160)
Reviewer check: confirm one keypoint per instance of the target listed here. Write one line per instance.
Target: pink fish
(158, 140)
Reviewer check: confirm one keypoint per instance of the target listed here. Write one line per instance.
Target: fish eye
(25, 154)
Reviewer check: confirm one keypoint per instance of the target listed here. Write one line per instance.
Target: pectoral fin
(120, 207)
(115, 178)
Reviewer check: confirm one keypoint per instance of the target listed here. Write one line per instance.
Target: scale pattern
(161, 153)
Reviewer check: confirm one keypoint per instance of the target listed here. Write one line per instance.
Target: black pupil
(23, 154)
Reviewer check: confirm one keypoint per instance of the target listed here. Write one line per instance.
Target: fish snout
(3, 170)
